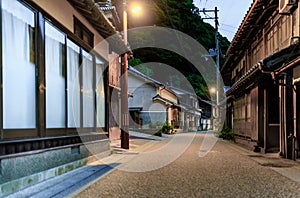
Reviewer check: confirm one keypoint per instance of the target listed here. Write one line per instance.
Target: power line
(227, 30)
(204, 4)
(228, 25)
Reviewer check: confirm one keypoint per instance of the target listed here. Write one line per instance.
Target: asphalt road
(226, 171)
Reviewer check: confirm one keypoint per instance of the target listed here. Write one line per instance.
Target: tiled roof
(110, 10)
(106, 8)
(272, 63)
(145, 77)
(164, 100)
(254, 70)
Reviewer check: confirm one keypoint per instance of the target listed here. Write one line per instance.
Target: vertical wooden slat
(41, 99)
(265, 119)
(81, 87)
(1, 79)
(66, 80)
(107, 98)
(94, 92)
(297, 111)
(261, 115)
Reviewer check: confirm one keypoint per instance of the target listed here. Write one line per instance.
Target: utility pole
(217, 54)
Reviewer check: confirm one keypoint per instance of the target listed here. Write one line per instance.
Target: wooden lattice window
(83, 32)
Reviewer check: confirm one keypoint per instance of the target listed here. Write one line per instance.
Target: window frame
(19, 132)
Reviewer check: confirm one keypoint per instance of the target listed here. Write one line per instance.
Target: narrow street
(226, 171)
(149, 98)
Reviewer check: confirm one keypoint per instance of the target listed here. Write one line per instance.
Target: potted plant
(168, 128)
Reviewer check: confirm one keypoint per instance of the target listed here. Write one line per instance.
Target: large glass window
(55, 78)
(73, 52)
(100, 97)
(19, 95)
(88, 92)
(74, 97)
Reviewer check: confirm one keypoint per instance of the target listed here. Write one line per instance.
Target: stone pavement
(228, 170)
(285, 167)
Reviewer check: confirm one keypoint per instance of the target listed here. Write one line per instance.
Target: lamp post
(124, 81)
(124, 86)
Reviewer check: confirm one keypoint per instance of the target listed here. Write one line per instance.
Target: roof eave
(98, 20)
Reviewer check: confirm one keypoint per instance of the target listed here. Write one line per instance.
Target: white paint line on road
(207, 144)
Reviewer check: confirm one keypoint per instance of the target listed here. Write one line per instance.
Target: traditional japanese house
(190, 112)
(262, 69)
(151, 101)
(53, 98)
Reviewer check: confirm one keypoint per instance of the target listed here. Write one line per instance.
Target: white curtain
(88, 92)
(19, 110)
(55, 79)
(73, 85)
(100, 97)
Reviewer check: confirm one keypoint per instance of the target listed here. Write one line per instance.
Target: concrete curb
(106, 171)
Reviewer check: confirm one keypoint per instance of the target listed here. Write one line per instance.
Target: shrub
(167, 127)
(227, 134)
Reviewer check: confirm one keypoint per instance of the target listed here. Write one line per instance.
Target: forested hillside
(182, 16)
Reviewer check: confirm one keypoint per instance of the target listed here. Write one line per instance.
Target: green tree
(199, 85)
(183, 16)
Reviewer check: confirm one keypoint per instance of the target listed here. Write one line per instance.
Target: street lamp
(212, 90)
(124, 81)
(136, 9)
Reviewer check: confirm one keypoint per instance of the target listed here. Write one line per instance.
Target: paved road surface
(226, 171)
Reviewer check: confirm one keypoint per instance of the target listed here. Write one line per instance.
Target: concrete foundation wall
(20, 172)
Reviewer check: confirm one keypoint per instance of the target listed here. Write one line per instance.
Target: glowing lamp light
(136, 10)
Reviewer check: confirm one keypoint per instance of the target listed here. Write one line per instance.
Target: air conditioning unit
(285, 6)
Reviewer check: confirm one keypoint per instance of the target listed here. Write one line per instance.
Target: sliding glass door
(55, 78)
(18, 74)
(88, 93)
(73, 88)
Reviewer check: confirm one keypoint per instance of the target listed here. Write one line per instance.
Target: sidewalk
(69, 184)
(285, 167)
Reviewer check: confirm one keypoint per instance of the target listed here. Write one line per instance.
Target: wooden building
(261, 68)
(190, 111)
(54, 96)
